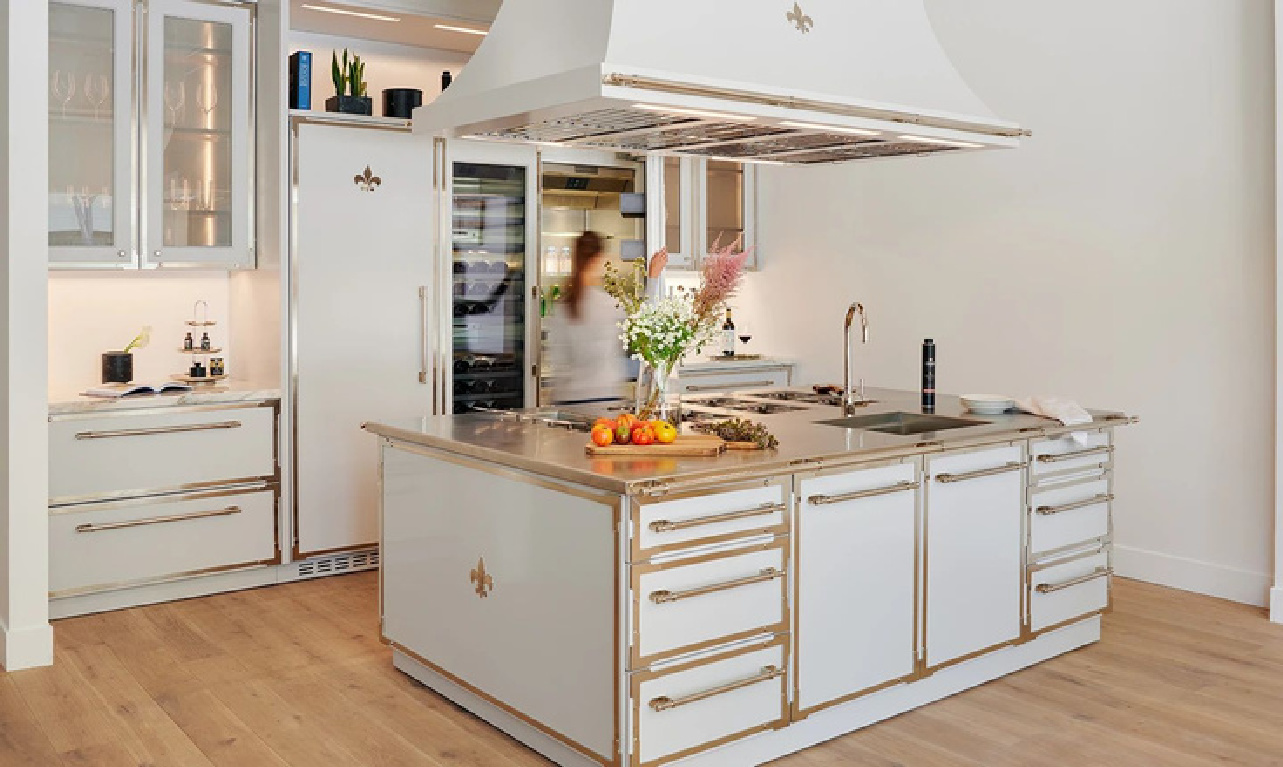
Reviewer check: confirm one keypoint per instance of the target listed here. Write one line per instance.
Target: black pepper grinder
(928, 376)
(188, 343)
(204, 342)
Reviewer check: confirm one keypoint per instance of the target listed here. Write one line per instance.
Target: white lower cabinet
(692, 382)
(973, 544)
(1068, 589)
(857, 578)
(696, 706)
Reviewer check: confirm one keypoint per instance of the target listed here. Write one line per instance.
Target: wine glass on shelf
(97, 89)
(64, 88)
(175, 100)
(207, 98)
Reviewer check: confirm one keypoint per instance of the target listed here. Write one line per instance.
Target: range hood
(776, 81)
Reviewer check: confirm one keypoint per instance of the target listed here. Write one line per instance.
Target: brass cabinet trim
(150, 430)
(665, 703)
(98, 527)
(979, 473)
(1061, 457)
(667, 597)
(1095, 500)
(826, 500)
(666, 526)
(1051, 588)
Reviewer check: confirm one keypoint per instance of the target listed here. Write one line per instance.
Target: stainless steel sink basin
(903, 424)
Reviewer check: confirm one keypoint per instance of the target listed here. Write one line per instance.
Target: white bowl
(987, 404)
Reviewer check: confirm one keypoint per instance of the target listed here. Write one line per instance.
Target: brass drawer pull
(665, 597)
(99, 527)
(158, 430)
(826, 500)
(1103, 450)
(665, 526)
(731, 386)
(1047, 511)
(1050, 588)
(963, 477)
(664, 703)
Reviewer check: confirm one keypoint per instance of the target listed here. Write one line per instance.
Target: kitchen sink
(903, 424)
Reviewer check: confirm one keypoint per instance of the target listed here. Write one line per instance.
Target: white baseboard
(1276, 605)
(1193, 575)
(28, 647)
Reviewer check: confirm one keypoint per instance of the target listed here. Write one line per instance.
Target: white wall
(25, 635)
(1124, 256)
(388, 65)
(91, 313)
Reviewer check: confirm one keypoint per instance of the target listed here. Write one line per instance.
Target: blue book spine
(301, 80)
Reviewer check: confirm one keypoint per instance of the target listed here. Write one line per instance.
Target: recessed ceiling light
(345, 12)
(830, 128)
(942, 142)
(465, 30)
(693, 112)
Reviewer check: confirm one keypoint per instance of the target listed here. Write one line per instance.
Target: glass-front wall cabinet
(176, 189)
(704, 202)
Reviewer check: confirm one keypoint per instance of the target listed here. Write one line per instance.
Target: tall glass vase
(654, 392)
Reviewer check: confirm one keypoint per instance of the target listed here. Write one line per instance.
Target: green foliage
(338, 74)
(348, 75)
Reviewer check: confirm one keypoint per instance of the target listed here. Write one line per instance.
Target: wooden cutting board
(685, 446)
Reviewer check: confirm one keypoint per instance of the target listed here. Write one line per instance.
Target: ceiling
(411, 25)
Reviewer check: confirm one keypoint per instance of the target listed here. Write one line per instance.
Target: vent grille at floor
(338, 563)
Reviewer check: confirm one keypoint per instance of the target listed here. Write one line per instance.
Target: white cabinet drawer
(710, 515)
(705, 601)
(1072, 514)
(698, 706)
(174, 449)
(707, 383)
(99, 546)
(1064, 456)
(1071, 589)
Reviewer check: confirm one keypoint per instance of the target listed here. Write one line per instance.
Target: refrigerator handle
(423, 337)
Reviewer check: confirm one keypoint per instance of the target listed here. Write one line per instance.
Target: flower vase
(654, 392)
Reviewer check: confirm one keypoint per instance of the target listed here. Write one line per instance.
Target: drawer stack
(709, 618)
(143, 496)
(1070, 530)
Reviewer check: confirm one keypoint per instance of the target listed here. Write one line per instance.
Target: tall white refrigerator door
(362, 266)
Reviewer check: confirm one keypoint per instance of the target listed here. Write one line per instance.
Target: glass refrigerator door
(488, 277)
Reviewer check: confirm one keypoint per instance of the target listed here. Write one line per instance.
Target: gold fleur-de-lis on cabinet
(481, 579)
(366, 181)
(803, 22)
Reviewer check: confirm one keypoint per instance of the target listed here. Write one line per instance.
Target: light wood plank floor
(295, 675)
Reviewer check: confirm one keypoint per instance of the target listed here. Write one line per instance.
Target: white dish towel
(1066, 411)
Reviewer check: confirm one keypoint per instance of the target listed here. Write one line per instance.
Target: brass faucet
(849, 403)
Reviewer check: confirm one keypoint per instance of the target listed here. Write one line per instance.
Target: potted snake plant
(349, 86)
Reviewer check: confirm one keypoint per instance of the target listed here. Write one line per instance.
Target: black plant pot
(117, 367)
(351, 105)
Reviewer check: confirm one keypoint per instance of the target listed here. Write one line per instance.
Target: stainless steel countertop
(559, 454)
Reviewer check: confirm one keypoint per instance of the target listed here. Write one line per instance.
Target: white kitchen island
(727, 611)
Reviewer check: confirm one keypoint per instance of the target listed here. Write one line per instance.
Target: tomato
(665, 433)
(643, 435)
(603, 435)
(627, 419)
(609, 423)
(623, 434)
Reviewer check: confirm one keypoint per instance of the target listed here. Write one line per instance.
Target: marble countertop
(71, 402)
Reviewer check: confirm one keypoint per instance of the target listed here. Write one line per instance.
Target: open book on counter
(116, 391)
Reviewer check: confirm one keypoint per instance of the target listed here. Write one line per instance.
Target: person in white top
(588, 357)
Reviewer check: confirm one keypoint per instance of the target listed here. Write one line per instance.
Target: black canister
(928, 376)
(401, 102)
(117, 367)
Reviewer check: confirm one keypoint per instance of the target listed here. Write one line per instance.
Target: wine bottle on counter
(928, 376)
(728, 335)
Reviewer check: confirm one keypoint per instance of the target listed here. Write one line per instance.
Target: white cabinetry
(698, 202)
(973, 552)
(151, 134)
(734, 376)
(857, 539)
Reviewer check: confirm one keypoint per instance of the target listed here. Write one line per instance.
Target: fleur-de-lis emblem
(366, 181)
(481, 579)
(803, 22)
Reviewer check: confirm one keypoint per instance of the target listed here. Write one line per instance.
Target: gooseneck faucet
(848, 400)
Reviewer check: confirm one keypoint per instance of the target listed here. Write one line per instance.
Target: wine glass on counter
(744, 331)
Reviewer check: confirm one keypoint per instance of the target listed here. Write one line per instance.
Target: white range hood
(809, 82)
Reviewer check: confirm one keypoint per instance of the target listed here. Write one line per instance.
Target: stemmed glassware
(64, 88)
(97, 90)
(206, 98)
(175, 99)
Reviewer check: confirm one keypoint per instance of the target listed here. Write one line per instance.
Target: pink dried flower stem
(721, 276)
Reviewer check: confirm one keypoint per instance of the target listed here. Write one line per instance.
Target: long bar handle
(101, 526)
(825, 500)
(991, 472)
(423, 334)
(737, 385)
(665, 526)
(667, 597)
(159, 430)
(1047, 511)
(1051, 588)
(1103, 450)
(665, 703)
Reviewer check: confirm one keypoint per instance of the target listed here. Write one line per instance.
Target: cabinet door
(670, 209)
(91, 156)
(974, 510)
(856, 576)
(198, 170)
(727, 205)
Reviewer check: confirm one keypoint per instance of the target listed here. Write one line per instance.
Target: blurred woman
(588, 357)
